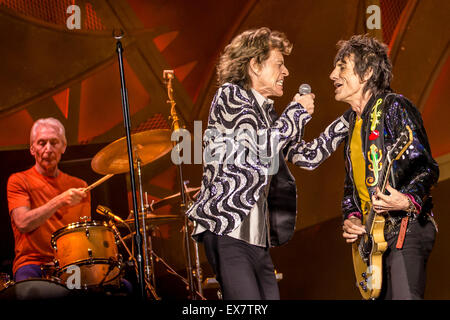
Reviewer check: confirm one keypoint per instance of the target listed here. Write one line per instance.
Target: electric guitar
(368, 250)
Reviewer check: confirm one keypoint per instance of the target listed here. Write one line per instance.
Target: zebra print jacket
(242, 148)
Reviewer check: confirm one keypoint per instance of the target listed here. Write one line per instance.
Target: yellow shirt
(359, 165)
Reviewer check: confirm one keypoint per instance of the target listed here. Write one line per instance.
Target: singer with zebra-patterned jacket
(231, 188)
(248, 197)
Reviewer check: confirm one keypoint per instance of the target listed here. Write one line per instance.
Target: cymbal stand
(148, 258)
(168, 76)
(198, 270)
(150, 245)
(172, 271)
(131, 255)
(127, 125)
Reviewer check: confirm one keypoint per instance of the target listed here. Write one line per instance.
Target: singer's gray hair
(369, 54)
(48, 122)
(256, 43)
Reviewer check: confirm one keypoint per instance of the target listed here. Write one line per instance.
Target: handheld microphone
(105, 211)
(304, 89)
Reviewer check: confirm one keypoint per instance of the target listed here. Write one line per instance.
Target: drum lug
(56, 262)
(87, 232)
(91, 259)
(53, 242)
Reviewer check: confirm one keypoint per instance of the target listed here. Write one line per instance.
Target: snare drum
(31, 289)
(91, 246)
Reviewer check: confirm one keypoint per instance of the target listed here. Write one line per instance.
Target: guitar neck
(382, 186)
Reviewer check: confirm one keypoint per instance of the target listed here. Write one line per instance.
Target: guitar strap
(374, 145)
(375, 156)
(375, 141)
(402, 233)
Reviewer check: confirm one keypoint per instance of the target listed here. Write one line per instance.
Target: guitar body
(369, 275)
(368, 250)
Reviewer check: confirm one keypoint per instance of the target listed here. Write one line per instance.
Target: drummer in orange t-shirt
(43, 199)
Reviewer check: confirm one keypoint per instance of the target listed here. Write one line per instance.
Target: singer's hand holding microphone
(305, 98)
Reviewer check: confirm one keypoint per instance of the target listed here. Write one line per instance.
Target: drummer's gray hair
(48, 122)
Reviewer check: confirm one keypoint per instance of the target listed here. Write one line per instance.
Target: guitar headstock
(401, 144)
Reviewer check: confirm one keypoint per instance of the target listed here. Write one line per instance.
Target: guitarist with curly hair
(386, 204)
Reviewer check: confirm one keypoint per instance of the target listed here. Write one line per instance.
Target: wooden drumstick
(98, 182)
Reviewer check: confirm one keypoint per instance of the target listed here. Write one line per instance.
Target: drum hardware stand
(198, 270)
(149, 264)
(132, 257)
(112, 264)
(168, 76)
(127, 125)
(149, 251)
(172, 271)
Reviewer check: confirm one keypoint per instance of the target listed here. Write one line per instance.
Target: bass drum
(34, 289)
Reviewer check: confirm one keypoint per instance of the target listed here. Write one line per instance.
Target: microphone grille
(304, 89)
(102, 209)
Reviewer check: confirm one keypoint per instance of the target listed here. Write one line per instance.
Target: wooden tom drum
(91, 246)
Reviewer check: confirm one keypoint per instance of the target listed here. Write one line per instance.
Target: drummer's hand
(353, 228)
(72, 196)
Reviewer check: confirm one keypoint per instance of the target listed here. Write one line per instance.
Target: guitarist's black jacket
(414, 173)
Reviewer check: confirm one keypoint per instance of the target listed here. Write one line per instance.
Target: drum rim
(95, 261)
(12, 283)
(84, 262)
(39, 279)
(7, 285)
(72, 227)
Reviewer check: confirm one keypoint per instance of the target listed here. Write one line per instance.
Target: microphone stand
(168, 77)
(126, 117)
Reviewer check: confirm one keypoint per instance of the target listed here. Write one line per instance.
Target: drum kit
(86, 254)
(91, 247)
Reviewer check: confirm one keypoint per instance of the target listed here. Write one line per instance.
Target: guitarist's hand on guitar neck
(353, 229)
(395, 201)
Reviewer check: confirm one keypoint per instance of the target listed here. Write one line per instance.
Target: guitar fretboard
(382, 186)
